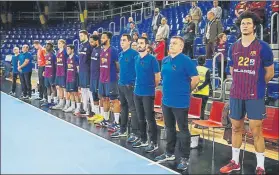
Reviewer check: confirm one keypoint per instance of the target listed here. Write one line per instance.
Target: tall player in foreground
(251, 66)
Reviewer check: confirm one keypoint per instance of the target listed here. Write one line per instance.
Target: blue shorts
(84, 79)
(255, 109)
(49, 82)
(72, 86)
(60, 81)
(108, 90)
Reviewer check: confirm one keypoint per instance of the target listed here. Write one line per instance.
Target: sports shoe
(95, 117)
(65, 108)
(12, 93)
(132, 138)
(232, 166)
(113, 127)
(151, 147)
(38, 98)
(165, 157)
(43, 100)
(183, 165)
(260, 171)
(99, 119)
(48, 105)
(104, 123)
(118, 134)
(59, 106)
(23, 97)
(69, 110)
(140, 143)
(77, 112)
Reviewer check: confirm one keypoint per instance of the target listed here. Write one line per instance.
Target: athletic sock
(97, 109)
(73, 104)
(68, 102)
(235, 154)
(116, 117)
(78, 105)
(106, 115)
(102, 111)
(260, 160)
(49, 99)
(55, 100)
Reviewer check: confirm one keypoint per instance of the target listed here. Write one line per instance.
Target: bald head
(210, 15)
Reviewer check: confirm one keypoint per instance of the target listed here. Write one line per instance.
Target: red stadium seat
(214, 120)
(195, 108)
(158, 98)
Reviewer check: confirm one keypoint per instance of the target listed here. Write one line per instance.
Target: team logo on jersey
(252, 62)
(253, 53)
(96, 54)
(104, 60)
(85, 49)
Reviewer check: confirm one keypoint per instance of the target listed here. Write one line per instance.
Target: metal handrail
(100, 28)
(214, 66)
(76, 40)
(272, 24)
(225, 86)
(124, 22)
(218, 78)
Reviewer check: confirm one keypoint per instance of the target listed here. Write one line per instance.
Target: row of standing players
(95, 72)
(110, 83)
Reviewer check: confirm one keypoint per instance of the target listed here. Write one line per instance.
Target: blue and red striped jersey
(248, 65)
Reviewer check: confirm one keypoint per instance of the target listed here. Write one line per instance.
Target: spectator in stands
(159, 49)
(212, 30)
(241, 7)
(133, 29)
(128, 27)
(135, 36)
(41, 68)
(164, 31)
(196, 14)
(247, 56)
(217, 9)
(202, 90)
(150, 50)
(15, 70)
(222, 46)
(96, 33)
(188, 33)
(258, 7)
(25, 71)
(144, 35)
(180, 76)
(134, 45)
(275, 6)
(156, 22)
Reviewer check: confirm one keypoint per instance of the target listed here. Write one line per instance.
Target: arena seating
(69, 31)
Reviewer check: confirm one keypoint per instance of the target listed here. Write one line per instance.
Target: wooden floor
(270, 153)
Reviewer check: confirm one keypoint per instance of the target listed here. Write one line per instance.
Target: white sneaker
(70, 109)
(65, 108)
(59, 106)
(43, 100)
(76, 111)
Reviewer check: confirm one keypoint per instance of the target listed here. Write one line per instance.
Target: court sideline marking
(140, 156)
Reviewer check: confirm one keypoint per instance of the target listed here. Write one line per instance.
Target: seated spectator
(96, 33)
(144, 35)
(217, 9)
(136, 36)
(188, 33)
(133, 29)
(134, 45)
(241, 7)
(258, 7)
(159, 49)
(222, 46)
(150, 50)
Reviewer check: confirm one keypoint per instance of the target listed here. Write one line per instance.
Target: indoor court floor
(43, 141)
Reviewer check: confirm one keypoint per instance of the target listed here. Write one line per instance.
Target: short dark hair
(109, 34)
(136, 33)
(36, 42)
(128, 36)
(84, 32)
(71, 46)
(95, 37)
(145, 40)
(178, 37)
(201, 60)
(49, 43)
(248, 14)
